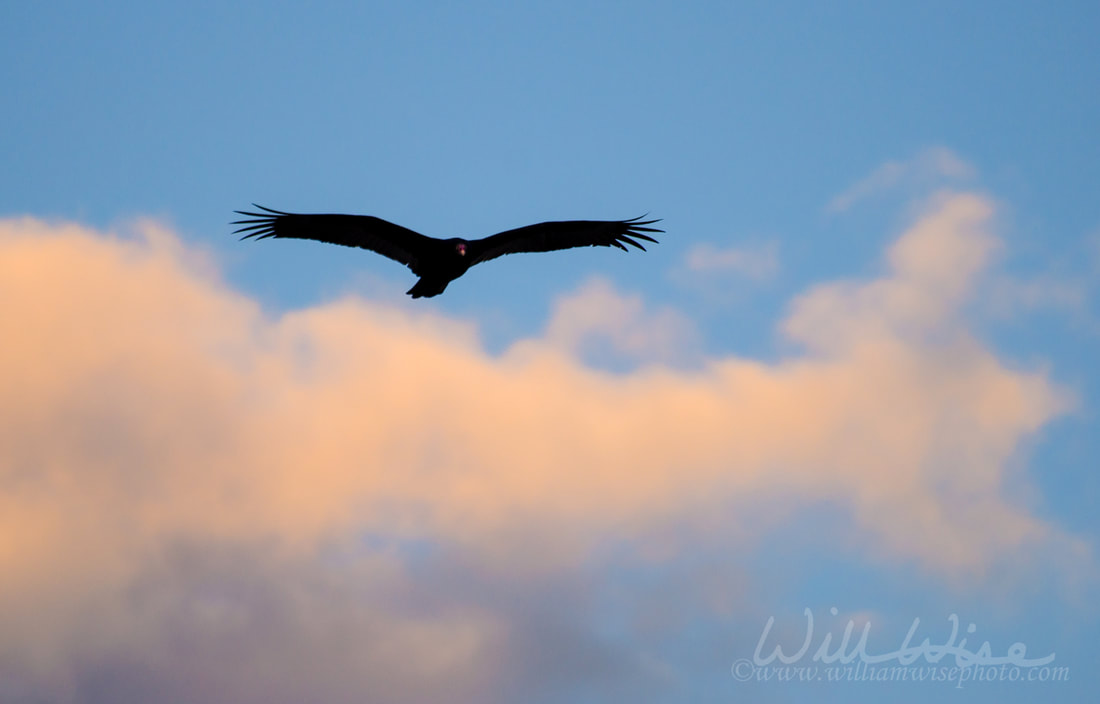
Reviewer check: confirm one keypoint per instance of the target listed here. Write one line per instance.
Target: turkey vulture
(439, 262)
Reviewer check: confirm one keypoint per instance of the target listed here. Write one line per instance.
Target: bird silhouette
(438, 262)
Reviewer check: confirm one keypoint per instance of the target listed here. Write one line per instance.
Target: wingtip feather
(270, 210)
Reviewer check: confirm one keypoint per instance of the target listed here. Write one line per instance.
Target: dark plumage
(438, 262)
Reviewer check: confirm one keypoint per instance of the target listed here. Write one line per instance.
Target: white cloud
(719, 274)
(1011, 295)
(928, 168)
(757, 263)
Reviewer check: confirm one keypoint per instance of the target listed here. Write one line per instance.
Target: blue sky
(881, 219)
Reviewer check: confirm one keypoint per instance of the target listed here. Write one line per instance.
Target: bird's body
(446, 263)
(440, 261)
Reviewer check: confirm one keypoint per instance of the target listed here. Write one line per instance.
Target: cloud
(756, 263)
(1061, 284)
(184, 474)
(597, 321)
(929, 167)
(1011, 295)
(716, 272)
(934, 268)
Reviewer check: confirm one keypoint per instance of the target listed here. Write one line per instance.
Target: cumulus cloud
(180, 468)
(598, 321)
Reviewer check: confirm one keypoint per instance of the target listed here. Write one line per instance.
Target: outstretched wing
(393, 241)
(548, 236)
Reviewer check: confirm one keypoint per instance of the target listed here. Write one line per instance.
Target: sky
(852, 390)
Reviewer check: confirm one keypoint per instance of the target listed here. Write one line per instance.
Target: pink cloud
(146, 405)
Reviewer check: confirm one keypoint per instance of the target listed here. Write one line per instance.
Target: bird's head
(460, 247)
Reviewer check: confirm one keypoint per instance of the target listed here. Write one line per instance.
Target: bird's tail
(426, 288)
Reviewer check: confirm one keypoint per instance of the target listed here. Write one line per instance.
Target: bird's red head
(461, 249)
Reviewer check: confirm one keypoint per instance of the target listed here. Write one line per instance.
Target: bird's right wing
(549, 236)
(398, 243)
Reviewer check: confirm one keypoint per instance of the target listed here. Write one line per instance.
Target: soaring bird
(438, 262)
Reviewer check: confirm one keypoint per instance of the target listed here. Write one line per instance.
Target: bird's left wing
(548, 236)
(365, 231)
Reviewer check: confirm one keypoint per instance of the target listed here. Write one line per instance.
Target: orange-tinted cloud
(146, 405)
